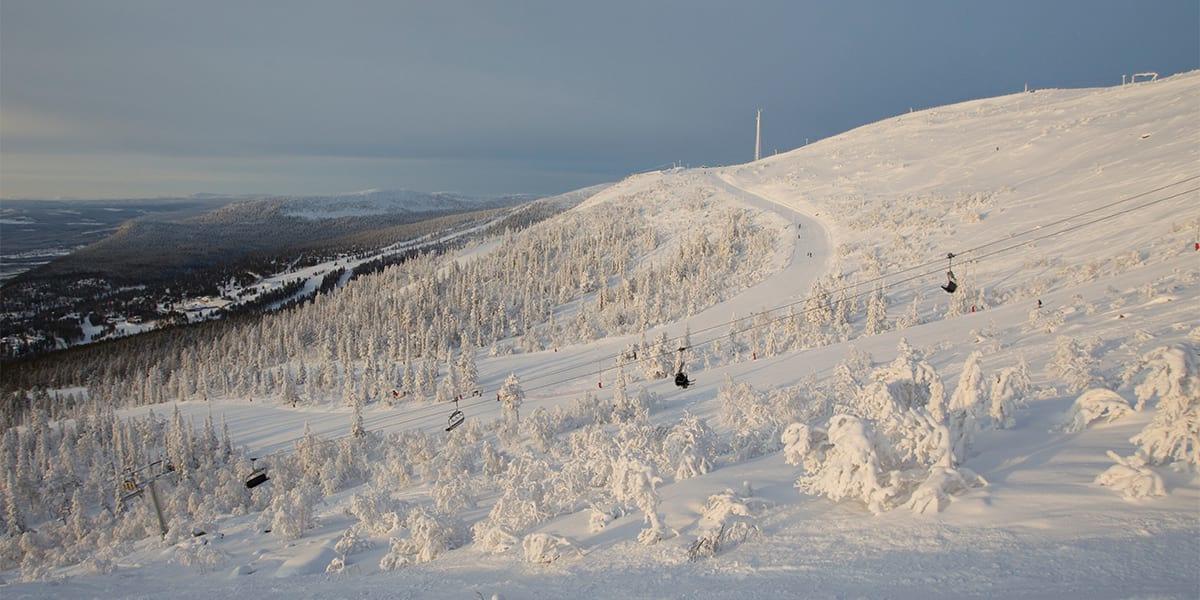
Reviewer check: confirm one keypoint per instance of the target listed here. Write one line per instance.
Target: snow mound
(1095, 405)
(1132, 476)
(309, 561)
(545, 548)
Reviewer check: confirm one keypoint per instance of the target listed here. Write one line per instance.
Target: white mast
(758, 135)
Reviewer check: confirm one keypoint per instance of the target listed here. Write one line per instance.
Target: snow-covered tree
(511, 396)
(524, 501)
(1096, 404)
(357, 429)
(292, 512)
(726, 521)
(468, 373)
(452, 493)
(1010, 387)
(1075, 365)
(690, 446)
(1132, 476)
(798, 443)
(1174, 434)
(966, 406)
(877, 320)
(429, 536)
(850, 466)
(543, 548)
(634, 482)
(627, 408)
(755, 429)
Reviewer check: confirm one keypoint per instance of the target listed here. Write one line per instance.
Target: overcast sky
(132, 99)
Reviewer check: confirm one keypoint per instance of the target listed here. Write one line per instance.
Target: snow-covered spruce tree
(452, 492)
(448, 389)
(377, 512)
(468, 373)
(912, 381)
(690, 446)
(357, 429)
(799, 444)
(849, 467)
(429, 536)
(1075, 365)
(877, 320)
(627, 408)
(967, 404)
(886, 454)
(511, 396)
(1174, 434)
(1167, 372)
(540, 429)
(524, 501)
(1010, 388)
(1096, 404)
(634, 482)
(492, 461)
(543, 548)
(1132, 476)
(13, 521)
(292, 511)
(659, 358)
(754, 429)
(726, 521)
(912, 317)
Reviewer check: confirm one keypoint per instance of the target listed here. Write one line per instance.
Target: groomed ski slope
(877, 199)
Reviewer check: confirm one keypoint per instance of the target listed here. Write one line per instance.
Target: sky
(150, 98)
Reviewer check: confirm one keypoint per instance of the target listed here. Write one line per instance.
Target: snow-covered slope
(867, 218)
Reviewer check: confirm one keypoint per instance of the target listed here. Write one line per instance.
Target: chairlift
(951, 280)
(257, 477)
(681, 378)
(456, 418)
(130, 487)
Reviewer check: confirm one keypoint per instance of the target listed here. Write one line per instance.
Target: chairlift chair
(681, 378)
(951, 280)
(257, 477)
(456, 418)
(130, 487)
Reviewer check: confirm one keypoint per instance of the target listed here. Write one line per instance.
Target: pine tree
(468, 374)
(876, 314)
(78, 519)
(12, 510)
(357, 429)
(511, 396)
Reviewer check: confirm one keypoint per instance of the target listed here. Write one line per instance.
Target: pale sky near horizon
(147, 98)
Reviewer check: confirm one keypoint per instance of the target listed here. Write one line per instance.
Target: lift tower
(758, 135)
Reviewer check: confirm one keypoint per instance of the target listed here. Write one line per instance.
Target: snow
(882, 197)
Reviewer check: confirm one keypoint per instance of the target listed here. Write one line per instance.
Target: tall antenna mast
(758, 135)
